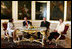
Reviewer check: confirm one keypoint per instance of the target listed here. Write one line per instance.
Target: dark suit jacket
(46, 24)
(24, 23)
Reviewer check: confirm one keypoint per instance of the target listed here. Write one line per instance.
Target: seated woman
(57, 31)
(10, 27)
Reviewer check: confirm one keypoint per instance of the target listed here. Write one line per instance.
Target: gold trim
(4, 19)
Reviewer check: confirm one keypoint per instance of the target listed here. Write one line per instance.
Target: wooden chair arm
(58, 38)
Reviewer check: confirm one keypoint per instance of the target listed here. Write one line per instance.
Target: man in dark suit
(26, 22)
(44, 23)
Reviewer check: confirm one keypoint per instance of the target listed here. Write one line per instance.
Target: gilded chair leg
(4, 37)
(43, 41)
(22, 38)
(42, 44)
(8, 37)
(18, 39)
(56, 44)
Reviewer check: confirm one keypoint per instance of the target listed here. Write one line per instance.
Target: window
(41, 10)
(56, 10)
(68, 10)
(24, 10)
(6, 9)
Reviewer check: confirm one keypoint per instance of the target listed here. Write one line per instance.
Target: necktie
(26, 23)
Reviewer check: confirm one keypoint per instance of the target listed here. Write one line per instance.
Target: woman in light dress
(11, 29)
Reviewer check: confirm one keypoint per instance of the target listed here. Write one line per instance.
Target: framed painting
(56, 10)
(6, 9)
(24, 10)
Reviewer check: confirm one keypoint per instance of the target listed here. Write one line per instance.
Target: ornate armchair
(63, 35)
(18, 33)
(5, 30)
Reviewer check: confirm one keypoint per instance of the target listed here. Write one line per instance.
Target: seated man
(44, 23)
(57, 31)
(26, 23)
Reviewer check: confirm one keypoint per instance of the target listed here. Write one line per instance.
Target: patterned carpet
(26, 44)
